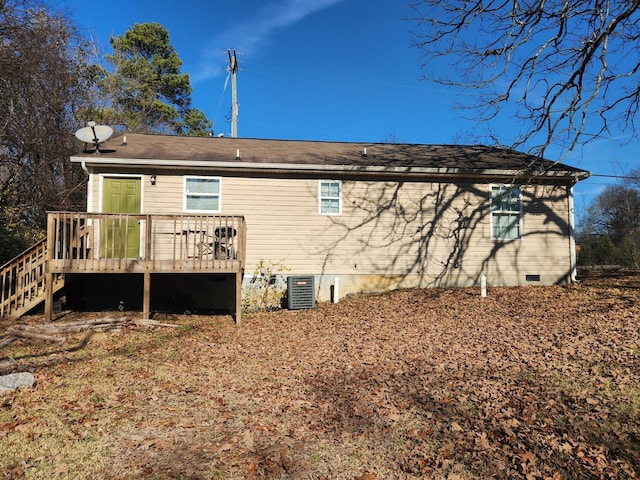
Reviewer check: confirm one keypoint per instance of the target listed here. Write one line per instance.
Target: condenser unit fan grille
(300, 292)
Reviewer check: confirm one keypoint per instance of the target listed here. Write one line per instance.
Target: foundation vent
(300, 292)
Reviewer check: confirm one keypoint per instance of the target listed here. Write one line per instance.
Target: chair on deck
(221, 244)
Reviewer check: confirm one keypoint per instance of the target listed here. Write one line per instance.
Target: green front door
(121, 237)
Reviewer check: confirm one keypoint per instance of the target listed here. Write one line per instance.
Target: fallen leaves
(367, 476)
(527, 383)
(9, 426)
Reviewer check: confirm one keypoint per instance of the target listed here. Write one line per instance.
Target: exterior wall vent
(532, 278)
(300, 292)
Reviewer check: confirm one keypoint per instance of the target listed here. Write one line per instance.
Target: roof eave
(337, 169)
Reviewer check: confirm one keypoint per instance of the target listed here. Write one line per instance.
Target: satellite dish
(94, 134)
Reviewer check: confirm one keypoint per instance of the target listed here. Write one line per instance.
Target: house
(191, 217)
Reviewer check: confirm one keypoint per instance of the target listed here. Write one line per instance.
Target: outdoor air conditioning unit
(300, 292)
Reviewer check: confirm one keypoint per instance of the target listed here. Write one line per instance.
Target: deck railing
(135, 243)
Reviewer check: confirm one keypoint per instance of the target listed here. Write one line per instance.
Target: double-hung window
(330, 196)
(202, 194)
(506, 212)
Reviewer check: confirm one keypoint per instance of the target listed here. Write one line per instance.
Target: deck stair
(22, 282)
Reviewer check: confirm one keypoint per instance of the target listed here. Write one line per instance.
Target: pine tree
(147, 90)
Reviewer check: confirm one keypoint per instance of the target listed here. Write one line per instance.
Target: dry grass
(526, 383)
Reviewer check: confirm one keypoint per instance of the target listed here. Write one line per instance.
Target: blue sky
(337, 70)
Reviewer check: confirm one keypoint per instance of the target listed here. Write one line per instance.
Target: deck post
(48, 298)
(146, 296)
(238, 312)
(48, 276)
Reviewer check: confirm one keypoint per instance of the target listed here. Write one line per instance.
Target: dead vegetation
(529, 383)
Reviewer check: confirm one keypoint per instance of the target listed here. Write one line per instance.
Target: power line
(224, 89)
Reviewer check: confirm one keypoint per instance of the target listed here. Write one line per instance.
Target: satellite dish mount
(94, 134)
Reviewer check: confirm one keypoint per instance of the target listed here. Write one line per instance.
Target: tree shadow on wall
(441, 232)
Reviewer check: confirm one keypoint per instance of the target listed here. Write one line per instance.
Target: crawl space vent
(300, 292)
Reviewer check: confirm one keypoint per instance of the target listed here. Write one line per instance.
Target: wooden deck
(121, 243)
(79, 242)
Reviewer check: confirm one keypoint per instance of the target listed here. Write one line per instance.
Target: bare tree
(42, 92)
(612, 223)
(615, 212)
(568, 69)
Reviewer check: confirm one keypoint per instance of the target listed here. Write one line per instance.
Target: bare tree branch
(566, 68)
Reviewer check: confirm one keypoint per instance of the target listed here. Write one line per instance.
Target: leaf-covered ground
(528, 383)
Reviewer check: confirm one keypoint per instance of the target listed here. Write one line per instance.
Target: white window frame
(321, 198)
(500, 212)
(185, 193)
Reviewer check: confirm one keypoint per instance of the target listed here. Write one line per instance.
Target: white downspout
(90, 193)
(572, 237)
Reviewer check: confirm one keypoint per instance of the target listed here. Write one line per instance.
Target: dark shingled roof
(298, 153)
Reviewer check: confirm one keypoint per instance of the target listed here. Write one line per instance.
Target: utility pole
(232, 69)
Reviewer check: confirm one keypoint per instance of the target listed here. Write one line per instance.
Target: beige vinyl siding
(283, 224)
(388, 228)
(435, 233)
(166, 196)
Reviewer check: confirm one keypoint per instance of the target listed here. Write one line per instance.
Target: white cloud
(247, 34)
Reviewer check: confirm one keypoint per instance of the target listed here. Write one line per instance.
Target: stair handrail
(22, 278)
(22, 254)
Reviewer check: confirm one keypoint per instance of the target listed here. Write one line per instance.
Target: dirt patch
(533, 382)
